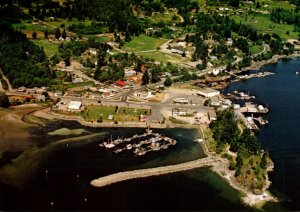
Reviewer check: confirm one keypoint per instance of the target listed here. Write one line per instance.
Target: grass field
(143, 43)
(60, 22)
(255, 49)
(263, 24)
(162, 57)
(166, 16)
(95, 113)
(50, 48)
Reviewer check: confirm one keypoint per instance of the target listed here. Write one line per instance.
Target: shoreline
(222, 169)
(274, 59)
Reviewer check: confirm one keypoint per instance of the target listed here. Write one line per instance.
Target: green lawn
(94, 113)
(255, 49)
(143, 43)
(33, 27)
(50, 48)
(263, 24)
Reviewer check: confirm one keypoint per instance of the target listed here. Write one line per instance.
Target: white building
(181, 101)
(74, 105)
(208, 92)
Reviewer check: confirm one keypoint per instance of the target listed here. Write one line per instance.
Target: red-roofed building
(120, 83)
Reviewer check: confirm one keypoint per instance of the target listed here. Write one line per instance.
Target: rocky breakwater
(142, 173)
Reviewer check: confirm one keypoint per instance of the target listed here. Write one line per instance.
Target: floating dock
(140, 144)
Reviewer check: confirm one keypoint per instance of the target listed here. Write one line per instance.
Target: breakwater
(142, 173)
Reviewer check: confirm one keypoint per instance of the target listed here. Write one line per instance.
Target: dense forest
(250, 160)
(24, 63)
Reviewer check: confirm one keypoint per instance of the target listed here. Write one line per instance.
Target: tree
(4, 101)
(46, 33)
(57, 33)
(145, 78)
(64, 34)
(168, 82)
(127, 36)
(34, 35)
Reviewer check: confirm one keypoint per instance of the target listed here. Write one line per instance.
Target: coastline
(222, 169)
(274, 59)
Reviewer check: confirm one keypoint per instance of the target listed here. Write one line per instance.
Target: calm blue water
(281, 92)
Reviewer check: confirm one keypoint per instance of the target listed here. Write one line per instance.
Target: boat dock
(140, 144)
(252, 108)
(250, 76)
(142, 173)
(260, 120)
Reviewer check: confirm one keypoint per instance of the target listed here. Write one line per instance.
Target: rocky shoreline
(222, 169)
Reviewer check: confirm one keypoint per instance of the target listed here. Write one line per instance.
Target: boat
(297, 72)
(118, 150)
(109, 145)
(129, 146)
(200, 140)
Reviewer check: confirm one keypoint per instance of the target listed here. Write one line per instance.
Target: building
(120, 84)
(208, 92)
(41, 98)
(181, 101)
(77, 80)
(214, 101)
(74, 105)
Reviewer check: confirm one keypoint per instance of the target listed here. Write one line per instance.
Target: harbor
(250, 76)
(139, 144)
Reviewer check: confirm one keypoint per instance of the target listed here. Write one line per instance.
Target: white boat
(297, 72)
(109, 145)
(200, 140)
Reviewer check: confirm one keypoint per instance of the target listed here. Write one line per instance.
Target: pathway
(142, 173)
(7, 82)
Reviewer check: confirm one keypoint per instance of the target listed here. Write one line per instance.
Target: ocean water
(281, 92)
(63, 177)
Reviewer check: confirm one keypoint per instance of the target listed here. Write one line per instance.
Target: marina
(140, 144)
(250, 76)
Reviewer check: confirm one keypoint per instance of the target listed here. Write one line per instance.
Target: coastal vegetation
(250, 162)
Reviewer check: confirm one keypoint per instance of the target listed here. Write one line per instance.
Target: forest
(24, 63)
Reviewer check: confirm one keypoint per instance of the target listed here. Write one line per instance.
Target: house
(93, 51)
(41, 98)
(177, 49)
(74, 105)
(58, 93)
(143, 118)
(120, 83)
(128, 72)
(229, 42)
(77, 80)
(214, 101)
(181, 101)
(208, 92)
